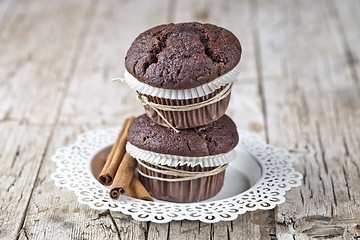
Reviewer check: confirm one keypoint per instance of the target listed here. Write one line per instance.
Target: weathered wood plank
(348, 16)
(93, 101)
(54, 212)
(22, 148)
(30, 96)
(310, 106)
(36, 59)
(349, 19)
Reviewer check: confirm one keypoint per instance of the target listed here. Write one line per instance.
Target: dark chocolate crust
(215, 138)
(182, 56)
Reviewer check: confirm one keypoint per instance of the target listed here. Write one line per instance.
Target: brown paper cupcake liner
(182, 191)
(188, 119)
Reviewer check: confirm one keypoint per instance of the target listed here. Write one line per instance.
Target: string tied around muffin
(144, 102)
(181, 175)
(183, 108)
(180, 108)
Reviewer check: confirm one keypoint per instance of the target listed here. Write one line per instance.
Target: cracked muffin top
(182, 56)
(215, 138)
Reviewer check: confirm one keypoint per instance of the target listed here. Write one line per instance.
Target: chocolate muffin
(182, 64)
(205, 150)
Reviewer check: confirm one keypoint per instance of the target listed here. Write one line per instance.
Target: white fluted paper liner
(196, 92)
(174, 160)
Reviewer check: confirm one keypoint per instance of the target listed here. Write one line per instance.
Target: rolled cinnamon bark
(114, 158)
(137, 190)
(123, 176)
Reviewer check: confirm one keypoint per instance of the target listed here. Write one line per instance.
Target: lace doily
(277, 177)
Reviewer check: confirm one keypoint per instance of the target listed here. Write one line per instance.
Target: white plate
(257, 179)
(245, 171)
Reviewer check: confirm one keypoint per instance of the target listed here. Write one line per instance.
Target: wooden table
(299, 89)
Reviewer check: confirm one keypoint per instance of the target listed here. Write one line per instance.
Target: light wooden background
(299, 89)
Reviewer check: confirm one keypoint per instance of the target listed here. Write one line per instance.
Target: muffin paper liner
(174, 160)
(196, 92)
(182, 191)
(192, 118)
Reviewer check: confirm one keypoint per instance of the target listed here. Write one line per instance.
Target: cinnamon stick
(123, 176)
(114, 158)
(137, 190)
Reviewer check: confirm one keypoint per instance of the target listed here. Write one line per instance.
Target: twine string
(182, 108)
(189, 107)
(157, 111)
(181, 174)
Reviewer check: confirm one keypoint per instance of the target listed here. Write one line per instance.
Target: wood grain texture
(299, 88)
(312, 105)
(30, 97)
(100, 59)
(54, 213)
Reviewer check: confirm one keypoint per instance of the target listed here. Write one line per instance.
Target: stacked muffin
(183, 74)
